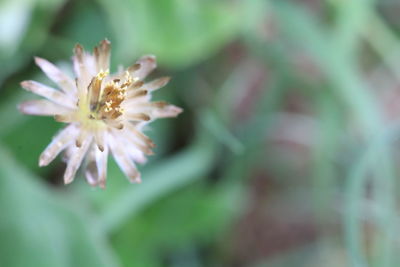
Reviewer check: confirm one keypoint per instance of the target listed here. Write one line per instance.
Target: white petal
(96, 170)
(166, 112)
(56, 75)
(123, 160)
(135, 149)
(135, 133)
(101, 160)
(147, 65)
(156, 84)
(49, 93)
(135, 103)
(75, 159)
(137, 93)
(99, 138)
(59, 142)
(102, 55)
(137, 116)
(42, 108)
(91, 172)
(85, 69)
(154, 110)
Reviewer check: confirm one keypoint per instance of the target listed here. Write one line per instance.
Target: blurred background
(286, 155)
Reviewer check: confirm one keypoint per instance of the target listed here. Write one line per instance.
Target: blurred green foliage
(286, 153)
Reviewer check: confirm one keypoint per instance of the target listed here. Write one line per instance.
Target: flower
(104, 113)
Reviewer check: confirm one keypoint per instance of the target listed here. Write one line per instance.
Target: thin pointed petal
(85, 69)
(156, 84)
(140, 137)
(115, 124)
(133, 68)
(65, 118)
(138, 117)
(56, 75)
(99, 138)
(159, 109)
(102, 55)
(42, 108)
(82, 137)
(135, 149)
(96, 169)
(136, 93)
(123, 160)
(168, 111)
(59, 142)
(101, 160)
(147, 65)
(49, 93)
(75, 160)
(91, 172)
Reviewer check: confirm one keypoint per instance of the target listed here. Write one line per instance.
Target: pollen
(106, 98)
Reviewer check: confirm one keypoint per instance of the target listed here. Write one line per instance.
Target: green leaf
(179, 32)
(201, 214)
(38, 228)
(24, 26)
(160, 180)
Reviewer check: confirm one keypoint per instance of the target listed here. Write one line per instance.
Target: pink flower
(104, 113)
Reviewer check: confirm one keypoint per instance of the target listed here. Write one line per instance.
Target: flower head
(104, 113)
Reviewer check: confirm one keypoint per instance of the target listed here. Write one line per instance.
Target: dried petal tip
(137, 93)
(135, 178)
(157, 84)
(63, 118)
(78, 51)
(138, 117)
(78, 143)
(134, 67)
(105, 44)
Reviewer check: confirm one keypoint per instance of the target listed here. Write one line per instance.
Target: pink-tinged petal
(135, 149)
(137, 117)
(49, 93)
(135, 104)
(42, 108)
(59, 142)
(75, 159)
(138, 135)
(102, 55)
(101, 160)
(91, 172)
(99, 138)
(96, 170)
(107, 113)
(134, 94)
(65, 118)
(147, 64)
(123, 160)
(56, 75)
(168, 111)
(156, 84)
(83, 135)
(114, 124)
(153, 110)
(85, 69)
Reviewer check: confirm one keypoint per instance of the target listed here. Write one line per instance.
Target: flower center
(105, 100)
